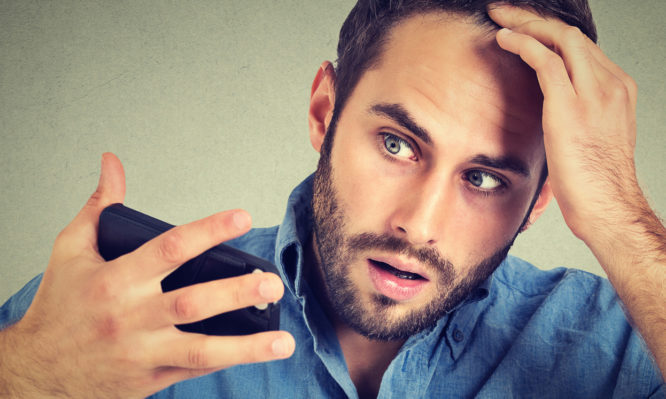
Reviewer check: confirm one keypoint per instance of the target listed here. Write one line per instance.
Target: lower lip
(393, 287)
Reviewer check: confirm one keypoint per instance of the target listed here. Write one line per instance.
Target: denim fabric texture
(524, 333)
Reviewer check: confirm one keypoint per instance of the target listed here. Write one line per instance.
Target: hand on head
(589, 117)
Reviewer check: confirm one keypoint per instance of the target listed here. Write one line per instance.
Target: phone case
(122, 230)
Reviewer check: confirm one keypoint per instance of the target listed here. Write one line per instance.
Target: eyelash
(391, 157)
(486, 193)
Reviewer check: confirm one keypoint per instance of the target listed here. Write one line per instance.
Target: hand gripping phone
(122, 230)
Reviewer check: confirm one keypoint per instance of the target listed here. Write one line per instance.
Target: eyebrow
(508, 163)
(399, 114)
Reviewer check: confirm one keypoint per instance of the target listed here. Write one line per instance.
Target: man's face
(435, 162)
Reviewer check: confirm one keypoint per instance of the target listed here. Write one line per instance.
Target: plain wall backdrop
(205, 103)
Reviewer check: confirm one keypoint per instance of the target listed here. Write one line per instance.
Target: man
(434, 145)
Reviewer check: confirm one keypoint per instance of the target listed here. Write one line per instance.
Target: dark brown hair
(367, 26)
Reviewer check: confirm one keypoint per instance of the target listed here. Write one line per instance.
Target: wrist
(633, 240)
(18, 377)
(11, 384)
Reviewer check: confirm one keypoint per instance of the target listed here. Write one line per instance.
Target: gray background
(205, 103)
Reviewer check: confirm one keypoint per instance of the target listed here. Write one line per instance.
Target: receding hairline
(485, 26)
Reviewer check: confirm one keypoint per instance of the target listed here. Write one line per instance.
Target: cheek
(479, 226)
(364, 191)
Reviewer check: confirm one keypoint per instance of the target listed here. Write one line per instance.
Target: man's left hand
(589, 117)
(589, 127)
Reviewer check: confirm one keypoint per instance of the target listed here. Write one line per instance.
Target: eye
(484, 180)
(398, 147)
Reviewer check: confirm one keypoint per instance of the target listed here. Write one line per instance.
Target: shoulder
(558, 299)
(564, 321)
(527, 280)
(550, 300)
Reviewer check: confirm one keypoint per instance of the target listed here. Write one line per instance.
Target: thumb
(82, 231)
(110, 189)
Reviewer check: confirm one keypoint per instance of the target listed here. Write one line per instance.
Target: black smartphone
(122, 230)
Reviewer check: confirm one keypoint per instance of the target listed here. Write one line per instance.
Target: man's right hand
(105, 329)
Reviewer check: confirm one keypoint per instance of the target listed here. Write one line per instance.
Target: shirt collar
(293, 235)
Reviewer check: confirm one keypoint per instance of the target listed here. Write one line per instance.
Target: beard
(380, 317)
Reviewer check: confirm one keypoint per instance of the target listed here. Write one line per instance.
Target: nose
(419, 215)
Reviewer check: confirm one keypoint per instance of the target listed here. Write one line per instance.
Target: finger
(552, 75)
(198, 351)
(509, 16)
(201, 301)
(157, 257)
(513, 17)
(584, 60)
(590, 71)
(82, 231)
(567, 41)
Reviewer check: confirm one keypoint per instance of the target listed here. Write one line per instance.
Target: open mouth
(396, 272)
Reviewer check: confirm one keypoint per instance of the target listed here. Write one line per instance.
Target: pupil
(476, 179)
(392, 145)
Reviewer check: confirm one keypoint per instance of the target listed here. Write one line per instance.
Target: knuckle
(532, 24)
(572, 34)
(248, 353)
(552, 63)
(217, 224)
(63, 236)
(131, 354)
(258, 353)
(236, 296)
(197, 357)
(617, 91)
(96, 198)
(104, 288)
(183, 308)
(109, 326)
(170, 248)
(632, 86)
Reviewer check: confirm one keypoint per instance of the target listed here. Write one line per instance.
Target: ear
(322, 102)
(541, 204)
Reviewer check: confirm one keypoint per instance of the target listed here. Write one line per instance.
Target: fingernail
(241, 219)
(269, 289)
(280, 347)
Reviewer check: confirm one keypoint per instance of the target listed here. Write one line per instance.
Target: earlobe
(322, 102)
(545, 196)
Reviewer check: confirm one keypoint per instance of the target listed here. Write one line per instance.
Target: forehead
(451, 75)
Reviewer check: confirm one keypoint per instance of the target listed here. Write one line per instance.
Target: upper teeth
(399, 273)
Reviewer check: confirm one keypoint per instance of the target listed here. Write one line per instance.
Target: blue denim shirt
(524, 333)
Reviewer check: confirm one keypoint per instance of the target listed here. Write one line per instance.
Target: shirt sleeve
(16, 306)
(639, 375)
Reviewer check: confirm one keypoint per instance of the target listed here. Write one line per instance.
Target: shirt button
(458, 335)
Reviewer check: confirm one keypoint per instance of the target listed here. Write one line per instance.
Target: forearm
(633, 254)
(15, 372)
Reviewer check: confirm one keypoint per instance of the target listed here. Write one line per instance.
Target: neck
(366, 359)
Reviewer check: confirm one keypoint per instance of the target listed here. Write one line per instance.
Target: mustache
(389, 243)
